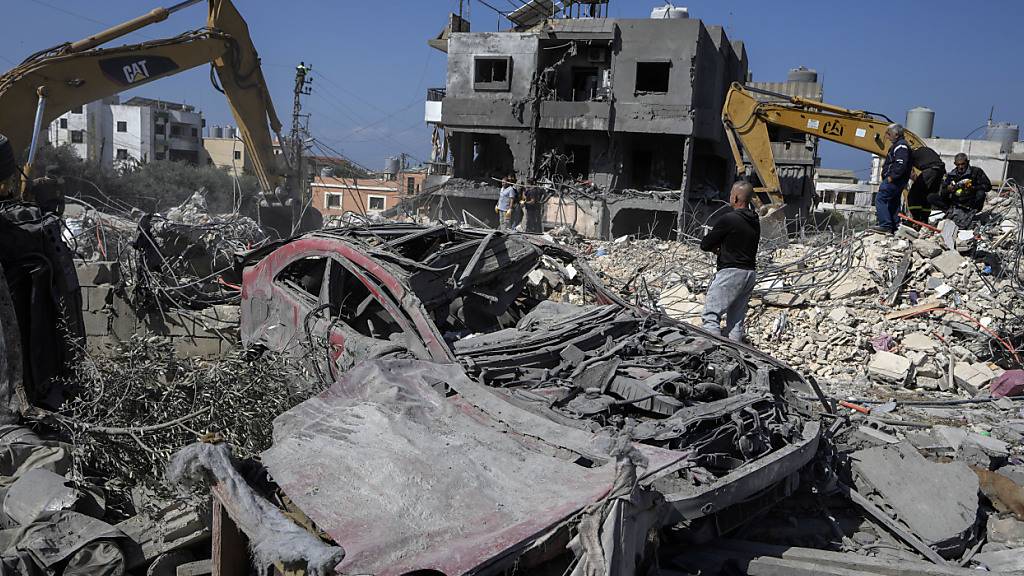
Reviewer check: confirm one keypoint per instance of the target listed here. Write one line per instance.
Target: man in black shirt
(734, 238)
(965, 187)
(928, 182)
(533, 201)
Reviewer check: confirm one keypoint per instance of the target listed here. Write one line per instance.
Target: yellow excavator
(73, 74)
(747, 119)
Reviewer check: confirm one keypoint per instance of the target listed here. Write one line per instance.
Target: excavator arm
(747, 120)
(73, 74)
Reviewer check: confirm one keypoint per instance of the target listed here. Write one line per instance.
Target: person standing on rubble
(895, 174)
(965, 189)
(505, 200)
(734, 239)
(533, 200)
(517, 206)
(928, 182)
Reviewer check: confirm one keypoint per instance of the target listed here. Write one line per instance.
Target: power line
(70, 13)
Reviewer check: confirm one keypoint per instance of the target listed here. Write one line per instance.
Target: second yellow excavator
(72, 74)
(747, 120)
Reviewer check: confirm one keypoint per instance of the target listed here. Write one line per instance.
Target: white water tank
(921, 121)
(802, 74)
(391, 166)
(669, 11)
(232, 132)
(218, 132)
(1004, 133)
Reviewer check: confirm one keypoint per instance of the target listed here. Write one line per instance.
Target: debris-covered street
(605, 330)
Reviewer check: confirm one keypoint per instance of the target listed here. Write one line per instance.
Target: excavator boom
(76, 73)
(747, 120)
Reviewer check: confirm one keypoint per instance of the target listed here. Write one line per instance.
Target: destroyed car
(481, 384)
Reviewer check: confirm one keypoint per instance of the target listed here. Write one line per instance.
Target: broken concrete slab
(964, 445)
(1005, 530)
(1006, 561)
(784, 299)
(972, 377)
(857, 284)
(926, 248)
(920, 342)
(948, 262)
(890, 367)
(937, 502)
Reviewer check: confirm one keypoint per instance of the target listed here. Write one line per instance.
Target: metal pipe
(36, 128)
(153, 16)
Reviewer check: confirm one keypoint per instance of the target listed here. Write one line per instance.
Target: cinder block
(186, 347)
(98, 273)
(96, 298)
(171, 323)
(124, 322)
(96, 323)
(101, 345)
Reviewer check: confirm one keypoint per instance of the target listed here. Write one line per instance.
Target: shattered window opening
(333, 200)
(304, 276)
(492, 73)
(652, 77)
(77, 136)
(122, 153)
(352, 302)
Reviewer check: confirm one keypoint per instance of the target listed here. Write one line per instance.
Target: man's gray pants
(728, 296)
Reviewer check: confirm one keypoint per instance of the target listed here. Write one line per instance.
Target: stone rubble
(824, 328)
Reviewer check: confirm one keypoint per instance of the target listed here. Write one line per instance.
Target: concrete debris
(937, 502)
(890, 367)
(455, 376)
(948, 263)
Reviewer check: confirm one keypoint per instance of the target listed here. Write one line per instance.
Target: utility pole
(300, 129)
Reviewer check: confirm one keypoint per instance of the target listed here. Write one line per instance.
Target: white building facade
(138, 130)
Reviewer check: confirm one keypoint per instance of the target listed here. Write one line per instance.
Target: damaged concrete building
(625, 112)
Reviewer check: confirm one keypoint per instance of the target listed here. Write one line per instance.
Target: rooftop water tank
(921, 121)
(391, 166)
(231, 132)
(327, 171)
(218, 132)
(802, 74)
(669, 11)
(1004, 133)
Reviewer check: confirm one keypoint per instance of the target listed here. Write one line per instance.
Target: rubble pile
(932, 310)
(185, 259)
(85, 487)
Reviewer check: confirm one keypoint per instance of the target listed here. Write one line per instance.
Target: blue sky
(372, 65)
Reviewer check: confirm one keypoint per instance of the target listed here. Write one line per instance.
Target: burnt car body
(530, 342)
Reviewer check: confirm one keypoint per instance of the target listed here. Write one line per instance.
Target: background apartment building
(137, 130)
